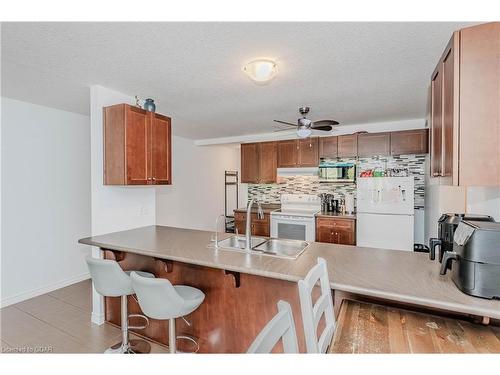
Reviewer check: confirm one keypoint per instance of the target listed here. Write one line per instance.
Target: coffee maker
(447, 224)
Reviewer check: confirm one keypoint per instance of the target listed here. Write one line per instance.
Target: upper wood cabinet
(409, 142)
(250, 163)
(137, 146)
(288, 155)
(308, 152)
(347, 145)
(298, 153)
(370, 144)
(328, 147)
(464, 112)
(258, 162)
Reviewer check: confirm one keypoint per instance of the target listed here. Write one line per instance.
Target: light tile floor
(58, 322)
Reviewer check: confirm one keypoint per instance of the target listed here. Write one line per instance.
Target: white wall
(114, 208)
(196, 197)
(484, 201)
(45, 199)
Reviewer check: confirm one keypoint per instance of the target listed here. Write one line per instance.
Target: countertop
(402, 276)
(266, 208)
(336, 214)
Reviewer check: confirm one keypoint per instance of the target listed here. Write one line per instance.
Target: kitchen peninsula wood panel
(137, 146)
(236, 308)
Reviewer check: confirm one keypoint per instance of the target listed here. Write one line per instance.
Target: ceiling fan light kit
(261, 71)
(303, 131)
(305, 126)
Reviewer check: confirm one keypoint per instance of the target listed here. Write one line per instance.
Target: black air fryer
(447, 225)
(476, 258)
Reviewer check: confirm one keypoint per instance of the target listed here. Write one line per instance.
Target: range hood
(303, 171)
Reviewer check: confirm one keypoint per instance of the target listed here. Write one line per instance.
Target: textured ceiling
(352, 72)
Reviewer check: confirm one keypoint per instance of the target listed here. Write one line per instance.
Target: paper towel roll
(349, 203)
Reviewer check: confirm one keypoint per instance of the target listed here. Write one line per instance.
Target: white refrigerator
(385, 209)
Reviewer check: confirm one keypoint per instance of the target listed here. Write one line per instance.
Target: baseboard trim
(43, 290)
(97, 318)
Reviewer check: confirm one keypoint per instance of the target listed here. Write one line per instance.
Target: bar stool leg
(124, 324)
(127, 345)
(171, 335)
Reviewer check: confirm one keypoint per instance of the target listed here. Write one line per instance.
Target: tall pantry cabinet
(465, 109)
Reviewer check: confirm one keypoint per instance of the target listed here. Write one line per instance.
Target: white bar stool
(281, 326)
(111, 281)
(311, 315)
(159, 299)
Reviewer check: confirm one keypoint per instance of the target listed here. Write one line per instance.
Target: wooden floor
(57, 322)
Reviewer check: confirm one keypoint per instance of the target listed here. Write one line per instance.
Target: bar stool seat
(161, 300)
(192, 297)
(142, 273)
(111, 281)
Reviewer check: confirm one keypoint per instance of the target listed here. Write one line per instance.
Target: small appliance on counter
(447, 224)
(476, 252)
(329, 203)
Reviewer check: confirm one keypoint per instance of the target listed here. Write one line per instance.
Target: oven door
(293, 227)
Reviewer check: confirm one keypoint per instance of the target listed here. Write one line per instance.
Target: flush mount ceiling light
(261, 71)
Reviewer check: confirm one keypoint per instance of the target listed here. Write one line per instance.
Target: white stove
(296, 218)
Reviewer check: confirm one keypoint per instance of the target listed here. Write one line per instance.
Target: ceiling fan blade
(283, 130)
(286, 123)
(325, 128)
(325, 122)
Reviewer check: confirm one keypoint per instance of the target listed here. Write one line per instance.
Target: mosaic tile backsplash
(270, 193)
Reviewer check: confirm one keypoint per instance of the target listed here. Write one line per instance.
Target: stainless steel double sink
(276, 247)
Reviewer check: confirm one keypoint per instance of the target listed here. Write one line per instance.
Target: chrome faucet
(248, 231)
(216, 242)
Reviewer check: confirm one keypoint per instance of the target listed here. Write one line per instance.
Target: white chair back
(157, 297)
(311, 314)
(108, 277)
(281, 326)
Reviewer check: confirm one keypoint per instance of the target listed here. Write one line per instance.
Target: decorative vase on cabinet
(149, 105)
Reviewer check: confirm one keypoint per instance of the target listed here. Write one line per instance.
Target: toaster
(475, 259)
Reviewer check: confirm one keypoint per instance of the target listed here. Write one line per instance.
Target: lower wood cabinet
(336, 230)
(259, 227)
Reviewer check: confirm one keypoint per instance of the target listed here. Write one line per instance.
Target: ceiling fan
(305, 126)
